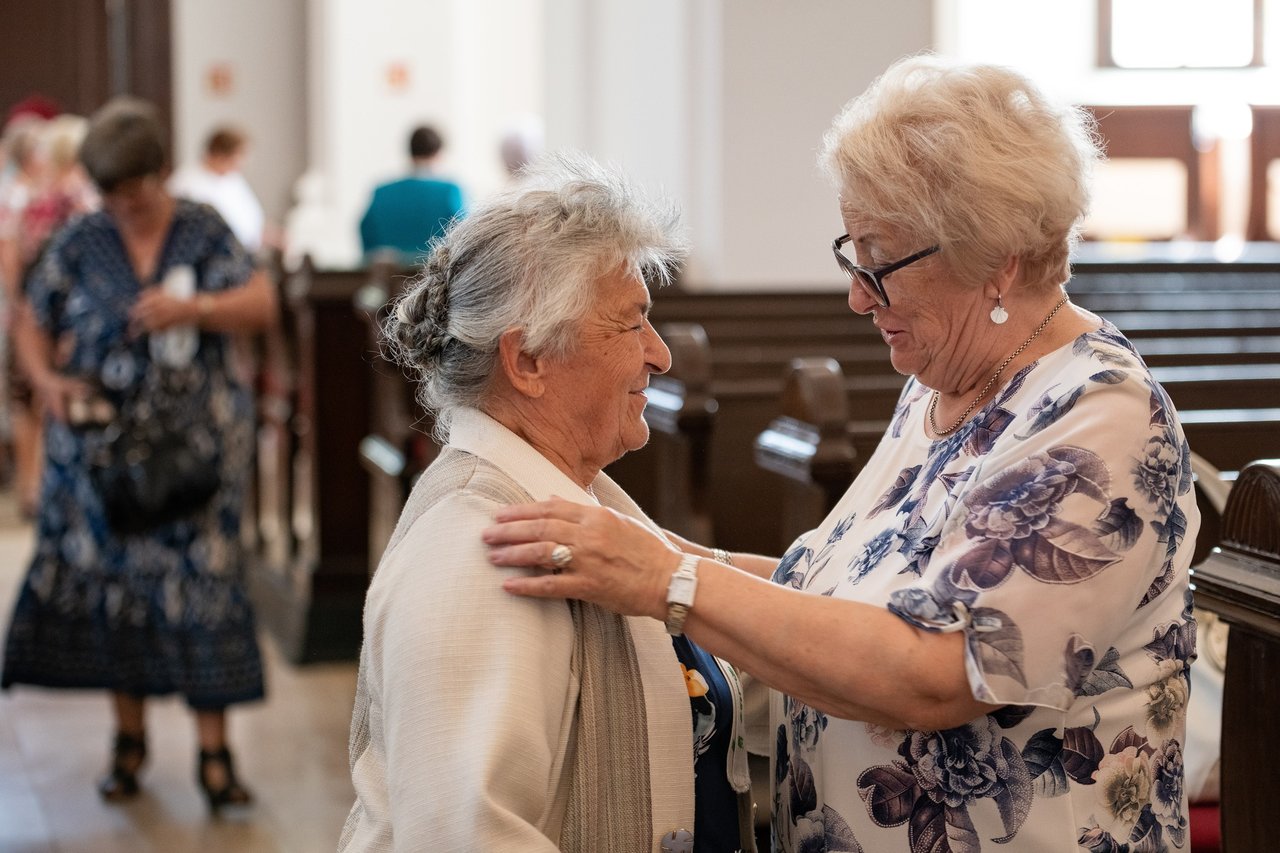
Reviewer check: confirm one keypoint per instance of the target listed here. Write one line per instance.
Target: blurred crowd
(42, 186)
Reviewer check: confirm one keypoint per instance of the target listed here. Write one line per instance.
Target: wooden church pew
(312, 601)
(398, 445)
(1240, 581)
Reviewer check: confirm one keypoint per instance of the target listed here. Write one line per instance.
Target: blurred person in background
(521, 142)
(405, 215)
(218, 180)
(23, 173)
(107, 335)
(61, 192)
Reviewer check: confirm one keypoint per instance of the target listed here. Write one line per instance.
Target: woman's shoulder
(453, 499)
(191, 210)
(1099, 361)
(91, 222)
(198, 217)
(82, 234)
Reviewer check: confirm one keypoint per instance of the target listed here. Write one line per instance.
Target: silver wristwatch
(684, 583)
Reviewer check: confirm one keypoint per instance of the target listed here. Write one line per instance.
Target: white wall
(380, 67)
(720, 104)
(262, 45)
(723, 105)
(788, 70)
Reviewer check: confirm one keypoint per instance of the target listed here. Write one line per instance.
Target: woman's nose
(657, 354)
(860, 302)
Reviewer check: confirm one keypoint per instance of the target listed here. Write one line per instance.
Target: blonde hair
(973, 158)
(63, 134)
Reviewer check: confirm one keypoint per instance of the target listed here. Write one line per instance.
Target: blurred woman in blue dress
(128, 315)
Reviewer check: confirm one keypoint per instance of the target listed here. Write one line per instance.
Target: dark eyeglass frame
(872, 281)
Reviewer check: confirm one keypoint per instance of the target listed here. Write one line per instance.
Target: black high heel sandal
(127, 757)
(231, 792)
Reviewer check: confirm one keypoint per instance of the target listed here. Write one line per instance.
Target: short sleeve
(1065, 533)
(227, 263)
(48, 282)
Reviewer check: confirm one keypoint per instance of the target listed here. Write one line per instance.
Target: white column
(378, 68)
(242, 62)
(722, 105)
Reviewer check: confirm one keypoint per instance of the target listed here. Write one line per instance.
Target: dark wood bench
(818, 446)
(1242, 349)
(1221, 386)
(1214, 401)
(1211, 299)
(312, 599)
(754, 337)
(398, 445)
(1212, 323)
(1240, 581)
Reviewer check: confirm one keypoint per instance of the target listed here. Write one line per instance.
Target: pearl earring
(998, 315)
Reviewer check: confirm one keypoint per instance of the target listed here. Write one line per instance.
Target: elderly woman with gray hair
(488, 722)
(985, 645)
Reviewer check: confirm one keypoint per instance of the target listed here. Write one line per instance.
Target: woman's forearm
(248, 308)
(848, 659)
(755, 564)
(10, 273)
(32, 346)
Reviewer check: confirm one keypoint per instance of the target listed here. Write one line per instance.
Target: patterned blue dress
(166, 611)
(1054, 530)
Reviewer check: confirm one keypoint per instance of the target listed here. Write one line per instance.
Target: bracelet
(720, 555)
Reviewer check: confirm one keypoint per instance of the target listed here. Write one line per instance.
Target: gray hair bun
(418, 329)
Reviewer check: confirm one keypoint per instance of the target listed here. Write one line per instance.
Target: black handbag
(148, 474)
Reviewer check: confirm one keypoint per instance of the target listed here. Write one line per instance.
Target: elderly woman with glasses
(985, 645)
(488, 722)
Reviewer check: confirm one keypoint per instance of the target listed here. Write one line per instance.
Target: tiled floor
(290, 749)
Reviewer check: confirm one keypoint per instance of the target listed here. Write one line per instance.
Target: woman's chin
(904, 363)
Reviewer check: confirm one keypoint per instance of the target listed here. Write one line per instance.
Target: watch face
(680, 591)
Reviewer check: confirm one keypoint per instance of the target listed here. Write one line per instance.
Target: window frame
(1106, 59)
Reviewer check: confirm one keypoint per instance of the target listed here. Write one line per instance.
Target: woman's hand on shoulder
(616, 562)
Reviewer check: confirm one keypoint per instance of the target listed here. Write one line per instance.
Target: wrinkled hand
(56, 392)
(156, 310)
(618, 563)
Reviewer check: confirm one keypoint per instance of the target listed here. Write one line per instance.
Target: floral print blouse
(1055, 530)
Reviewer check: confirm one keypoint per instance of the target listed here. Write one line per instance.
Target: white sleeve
(472, 690)
(1074, 539)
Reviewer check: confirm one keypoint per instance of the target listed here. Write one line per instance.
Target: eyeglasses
(872, 281)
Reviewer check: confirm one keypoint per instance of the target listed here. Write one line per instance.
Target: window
(1181, 33)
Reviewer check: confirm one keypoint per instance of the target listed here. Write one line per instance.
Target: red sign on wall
(220, 79)
(398, 76)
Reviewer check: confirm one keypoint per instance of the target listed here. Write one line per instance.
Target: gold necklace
(933, 403)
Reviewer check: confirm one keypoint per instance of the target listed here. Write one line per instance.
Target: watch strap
(680, 592)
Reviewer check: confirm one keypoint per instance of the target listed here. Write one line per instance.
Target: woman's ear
(525, 372)
(1004, 278)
